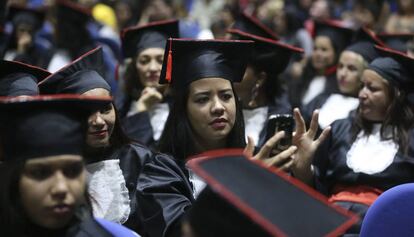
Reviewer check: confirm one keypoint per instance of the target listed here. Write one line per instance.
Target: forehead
(207, 84)
(151, 52)
(370, 76)
(97, 92)
(351, 58)
(322, 40)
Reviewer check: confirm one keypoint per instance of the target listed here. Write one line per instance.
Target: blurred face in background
(349, 72)
(323, 54)
(148, 65)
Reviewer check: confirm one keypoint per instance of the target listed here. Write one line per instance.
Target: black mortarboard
(18, 79)
(397, 41)
(397, 68)
(247, 197)
(153, 35)
(270, 55)
(40, 126)
(186, 61)
(251, 25)
(364, 42)
(336, 31)
(30, 16)
(69, 11)
(78, 77)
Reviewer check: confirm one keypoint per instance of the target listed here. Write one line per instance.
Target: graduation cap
(40, 126)
(69, 11)
(24, 15)
(78, 77)
(397, 41)
(18, 79)
(186, 61)
(153, 35)
(336, 31)
(364, 42)
(251, 25)
(270, 55)
(397, 68)
(245, 197)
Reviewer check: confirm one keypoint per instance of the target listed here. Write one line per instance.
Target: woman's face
(51, 188)
(211, 109)
(349, 72)
(374, 97)
(101, 123)
(149, 64)
(323, 54)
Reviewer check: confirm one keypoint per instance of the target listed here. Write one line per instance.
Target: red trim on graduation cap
(73, 62)
(328, 22)
(261, 25)
(149, 25)
(393, 51)
(373, 36)
(9, 99)
(267, 40)
(169, 63)
(194, 164)
(39, 73)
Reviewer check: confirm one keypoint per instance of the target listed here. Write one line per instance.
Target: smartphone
(280, 122)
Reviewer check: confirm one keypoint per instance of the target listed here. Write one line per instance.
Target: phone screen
(281, 122)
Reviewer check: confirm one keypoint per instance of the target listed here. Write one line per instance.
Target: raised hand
(149, 97)
(306, 144)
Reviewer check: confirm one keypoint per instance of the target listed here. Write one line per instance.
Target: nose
(153, 65)
(341, 72)
(362, 93)
(60, 186)
(217, 106)
(96, 120)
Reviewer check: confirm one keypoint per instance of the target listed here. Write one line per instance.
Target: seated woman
(352, 62)
(261, 91)
(42, 177)
(371, 151)
(141, 100)
(205, 115)
(316, 75)
(113, 161)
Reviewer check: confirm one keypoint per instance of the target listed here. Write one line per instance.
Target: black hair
(178, 138)
(133, 86)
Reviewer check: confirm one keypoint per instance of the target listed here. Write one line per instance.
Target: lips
(219, 123)
(100, 133)
(62, 209)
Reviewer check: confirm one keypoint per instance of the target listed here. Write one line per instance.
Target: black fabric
(250, 187)
(272, 56)
(251, 25)
(18, 84)
(69, 11)
(24, 15)
(397, 41)
(365, 49)
(164, 194)
(391, 70)
(44, 126)
(152, 35)
(83, 74)
(196, 59)
(339, 35)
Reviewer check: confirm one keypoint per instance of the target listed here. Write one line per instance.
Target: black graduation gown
(331, 168)
(280, 105)
(138, 126)
(164, 195)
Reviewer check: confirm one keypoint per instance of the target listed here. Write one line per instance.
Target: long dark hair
(12, 216)
(178, 138)
(399, 117)
(133, 85)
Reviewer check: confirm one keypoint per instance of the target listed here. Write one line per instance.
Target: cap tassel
(169, 64)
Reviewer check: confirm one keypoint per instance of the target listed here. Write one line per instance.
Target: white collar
(110, 197)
